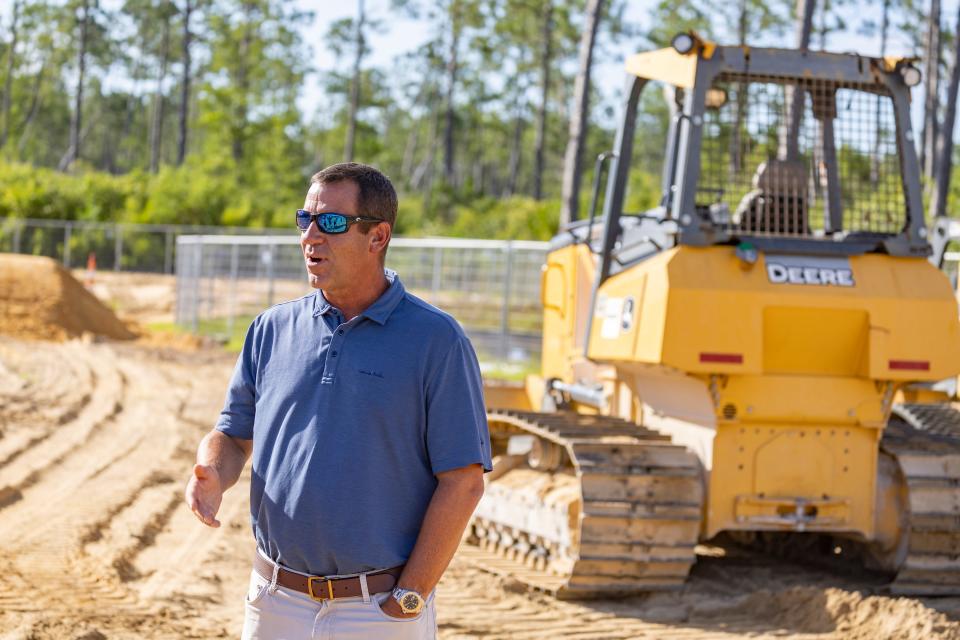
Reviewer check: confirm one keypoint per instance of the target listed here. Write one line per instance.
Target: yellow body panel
(665, 65)
(763, 474)
(692, 301)
(920, 395)
(800, 373)
(566, 282)
(783, 442)
(499, 394)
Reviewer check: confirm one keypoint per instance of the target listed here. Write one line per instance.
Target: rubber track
(641, 497)
(925, 438)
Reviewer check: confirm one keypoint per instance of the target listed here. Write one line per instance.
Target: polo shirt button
(334, 354)
(340, 332)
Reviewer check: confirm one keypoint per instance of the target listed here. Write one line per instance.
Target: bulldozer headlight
(911, 75)
(683, 43)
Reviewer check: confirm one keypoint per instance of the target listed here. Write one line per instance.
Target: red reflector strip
(727, 358)
(910, 365)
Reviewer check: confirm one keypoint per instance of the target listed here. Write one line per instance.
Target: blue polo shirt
(350, 422)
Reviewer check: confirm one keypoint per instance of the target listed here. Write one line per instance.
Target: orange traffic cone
(91, 268)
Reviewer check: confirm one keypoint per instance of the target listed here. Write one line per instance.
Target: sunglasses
(330, 222)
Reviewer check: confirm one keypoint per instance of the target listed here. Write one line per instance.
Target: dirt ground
(96, 442)
(98, 439)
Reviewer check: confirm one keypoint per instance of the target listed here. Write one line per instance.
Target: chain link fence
(149, 248)
(226, 275)
(491, 287)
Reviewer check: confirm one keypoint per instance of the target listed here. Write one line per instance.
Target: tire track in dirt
(35, 403)
(473, 604)
(195, 415)
(195, 543)
(75, 491)
(727, 596)
(30, 465)
(91, 509)
(126, 530)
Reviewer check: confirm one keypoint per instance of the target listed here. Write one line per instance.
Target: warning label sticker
(609, 310)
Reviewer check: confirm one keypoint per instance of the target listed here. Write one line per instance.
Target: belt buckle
(313, 596)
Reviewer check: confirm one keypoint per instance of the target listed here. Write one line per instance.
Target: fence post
(178, 300)
(505, 311)
(211, 271)
(66, 244)
(185, 285)
(198, 263)
(168, 252)
(271, 256)
(117, 247)
(17, 229)
(437, 269)
(232, 301)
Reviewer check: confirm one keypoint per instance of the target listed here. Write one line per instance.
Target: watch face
(410, 602)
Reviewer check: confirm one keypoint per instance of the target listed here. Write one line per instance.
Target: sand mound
(852, 615)
(40, 299)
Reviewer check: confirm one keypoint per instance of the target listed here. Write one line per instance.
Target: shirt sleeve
(457, 433)
(236, 418)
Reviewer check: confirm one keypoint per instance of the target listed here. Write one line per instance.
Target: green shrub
(26, 191)
(210, 189)
(198, 192)
(514, 218)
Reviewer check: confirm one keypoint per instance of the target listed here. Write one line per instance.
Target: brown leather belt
(322, 588)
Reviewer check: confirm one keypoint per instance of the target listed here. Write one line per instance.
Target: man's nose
(313, 235)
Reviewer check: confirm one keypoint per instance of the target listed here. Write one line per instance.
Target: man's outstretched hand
(204, 494)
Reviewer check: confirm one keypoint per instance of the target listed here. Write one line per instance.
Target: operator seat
(778, 202)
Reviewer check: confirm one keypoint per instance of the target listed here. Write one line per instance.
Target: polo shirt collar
(320, 304)
(382, 307)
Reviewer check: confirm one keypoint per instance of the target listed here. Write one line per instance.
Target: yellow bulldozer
(756, 356)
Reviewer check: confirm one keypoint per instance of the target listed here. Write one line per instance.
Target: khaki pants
(276, 613)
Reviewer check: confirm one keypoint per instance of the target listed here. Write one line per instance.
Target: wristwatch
(410, 601)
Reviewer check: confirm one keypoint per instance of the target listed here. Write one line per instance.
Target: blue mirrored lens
(332, 222)
(303, 219)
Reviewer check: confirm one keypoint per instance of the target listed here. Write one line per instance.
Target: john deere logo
(809, 270)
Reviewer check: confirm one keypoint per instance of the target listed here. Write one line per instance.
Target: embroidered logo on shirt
(375, 374)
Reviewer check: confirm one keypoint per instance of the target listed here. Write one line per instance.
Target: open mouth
(313, 261)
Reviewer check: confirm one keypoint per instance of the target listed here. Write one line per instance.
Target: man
(362, 407)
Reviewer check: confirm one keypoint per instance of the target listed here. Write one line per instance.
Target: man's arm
(220, 459)
(456, 496)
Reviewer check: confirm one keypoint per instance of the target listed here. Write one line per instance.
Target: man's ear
(379, 237)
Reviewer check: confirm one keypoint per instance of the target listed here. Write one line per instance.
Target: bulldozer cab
(781, 150)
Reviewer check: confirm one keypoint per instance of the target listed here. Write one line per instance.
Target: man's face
(334, 260)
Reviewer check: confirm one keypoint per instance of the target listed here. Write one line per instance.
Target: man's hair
(376, 197)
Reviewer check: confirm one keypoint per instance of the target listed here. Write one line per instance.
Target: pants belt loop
(273, 580)
(363, 588)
